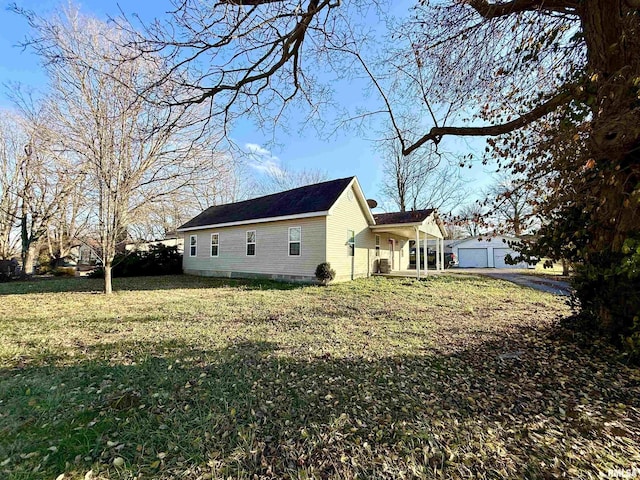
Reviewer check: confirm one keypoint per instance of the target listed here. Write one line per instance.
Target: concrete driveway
(523, 277)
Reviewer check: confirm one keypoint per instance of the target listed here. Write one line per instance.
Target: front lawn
(183, 377)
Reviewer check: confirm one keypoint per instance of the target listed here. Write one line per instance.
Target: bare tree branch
(436, 133)
(500, 9)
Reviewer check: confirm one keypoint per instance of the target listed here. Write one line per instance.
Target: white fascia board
(395, 225)
(256, 220)
(363, 201)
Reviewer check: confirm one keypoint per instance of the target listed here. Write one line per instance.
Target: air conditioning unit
(384, 265)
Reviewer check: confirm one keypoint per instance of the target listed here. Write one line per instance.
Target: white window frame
(377, 246)
(217, 235)
(296, 241)
(193, 246)
(254, 243)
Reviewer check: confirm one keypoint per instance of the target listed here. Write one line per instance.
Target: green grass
(183, 377)
(555, 270)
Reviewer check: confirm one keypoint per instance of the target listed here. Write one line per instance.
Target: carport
(418, 225)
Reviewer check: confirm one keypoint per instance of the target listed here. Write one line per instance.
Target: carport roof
(406, 223)
(414, 216)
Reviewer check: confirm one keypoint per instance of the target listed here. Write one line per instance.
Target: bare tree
(133, 152)
(278, 178)
(35, 182)
(224, 180)
(12, 142)
(47, 175)
(472, 218)
(424, 179)
(71, 222)
(220, 179)
(455, 230)
(511, 203)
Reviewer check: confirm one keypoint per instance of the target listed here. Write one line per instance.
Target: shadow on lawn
(531, 406)
(166, 282)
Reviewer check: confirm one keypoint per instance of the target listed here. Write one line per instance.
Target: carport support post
(417, 253)
(425, 254)
(442, 265)
(437, 254)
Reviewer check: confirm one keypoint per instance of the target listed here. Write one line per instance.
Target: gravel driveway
(523, 277)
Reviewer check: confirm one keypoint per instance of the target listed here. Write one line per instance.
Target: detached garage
(484, 252)
(473, 257)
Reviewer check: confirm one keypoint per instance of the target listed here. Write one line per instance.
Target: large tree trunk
(614, 69)
(107, 278)
(609, 195)
(28, 260)
(5, 246)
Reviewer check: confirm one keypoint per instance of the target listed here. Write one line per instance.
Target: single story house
(286, 235)
(485, 252)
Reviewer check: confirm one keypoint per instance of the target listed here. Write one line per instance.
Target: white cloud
(255, 149)
(268, 166)
(263, 160)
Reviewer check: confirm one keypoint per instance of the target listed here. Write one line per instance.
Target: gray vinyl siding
(272, 257)
(348, 215)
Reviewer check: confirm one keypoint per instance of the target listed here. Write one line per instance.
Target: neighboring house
(485, 252)
(84, 253)
(170, 241)
(286, 235)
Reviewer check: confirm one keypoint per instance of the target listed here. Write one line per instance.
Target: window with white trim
(295, 241)
(251, 243)
(215, 244)
(351, 242)
(193, 245)
(377, 245)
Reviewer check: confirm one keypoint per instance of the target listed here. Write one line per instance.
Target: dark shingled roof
(414, 216)
(312, 198)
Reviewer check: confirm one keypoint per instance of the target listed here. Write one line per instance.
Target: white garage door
(473, 257)
(498, 258)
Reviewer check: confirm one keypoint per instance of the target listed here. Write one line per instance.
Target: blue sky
(344, 154)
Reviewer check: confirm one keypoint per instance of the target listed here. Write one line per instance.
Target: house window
(215, 244)
(251, 243)
(193, 245)
(377, 245)
(351, 242)
(295, 241)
